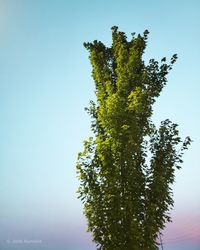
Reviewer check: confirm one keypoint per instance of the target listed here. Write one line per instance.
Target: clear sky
(45, 83)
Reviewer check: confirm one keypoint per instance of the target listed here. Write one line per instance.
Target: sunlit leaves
(127, 169)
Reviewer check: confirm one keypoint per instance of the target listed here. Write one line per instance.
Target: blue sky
(45, 83)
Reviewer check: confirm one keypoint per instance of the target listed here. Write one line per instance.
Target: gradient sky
(45, 83)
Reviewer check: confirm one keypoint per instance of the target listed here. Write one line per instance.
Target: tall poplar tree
(127, 168)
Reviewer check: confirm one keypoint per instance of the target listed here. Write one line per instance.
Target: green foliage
(127, 169)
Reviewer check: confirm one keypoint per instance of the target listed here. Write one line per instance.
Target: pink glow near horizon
(184, 228)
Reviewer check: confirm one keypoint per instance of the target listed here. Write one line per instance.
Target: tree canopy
(127, 168)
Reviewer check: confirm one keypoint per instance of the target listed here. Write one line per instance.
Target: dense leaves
(127, 169)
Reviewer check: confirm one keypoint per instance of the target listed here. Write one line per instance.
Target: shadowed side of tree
(127, 169)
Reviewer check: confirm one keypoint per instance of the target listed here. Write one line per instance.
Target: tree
(127, 168)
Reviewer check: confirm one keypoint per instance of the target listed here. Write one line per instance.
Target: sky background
(45, 83)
